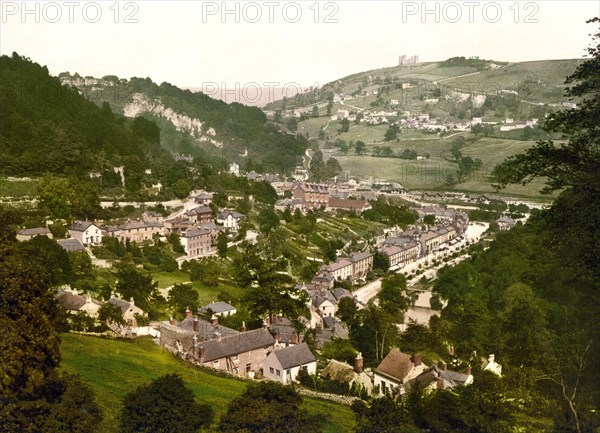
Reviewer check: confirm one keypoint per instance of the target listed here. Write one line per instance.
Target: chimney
(442, 366)
(188, 313)
(131, 301)
(276, 337)
(214, 320)
(468, 371)
(243, 326)
(319, 328)
(439, 383)
(173, 322)
(416, 360)
(196, 326)
(201, 353)
(294, 338)
(358, 363)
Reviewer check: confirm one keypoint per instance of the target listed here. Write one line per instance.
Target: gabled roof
(34, 231)
(73, 301)
(236, 215)
(124, 305)
(357, 257)
(206, 330)
(80, 226)
(217, 307)
(71, 244)
(132, 225)
(195, 232)
(450, 378)
(235, 344)
(396, 365)
(199, 210)
(294, 356)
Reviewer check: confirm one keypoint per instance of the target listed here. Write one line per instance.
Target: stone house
(230, 219)
(197, 242)
(28, 234)
(313, 196)
(74, 302)
(86, 232)
(356, 206)
(153, 217)
(138, 231)
(400, 251)
(395, 370)
(128, 308)
(242, 354)
(200, 215)
(283, 365)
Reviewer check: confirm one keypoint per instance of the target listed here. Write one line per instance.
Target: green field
(17, 188)
(114, 367)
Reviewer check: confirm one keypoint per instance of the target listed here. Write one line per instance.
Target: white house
(219, 309)
(230, 219)
(283, 365)
(86, 232)
(395, 370)
(128, 308)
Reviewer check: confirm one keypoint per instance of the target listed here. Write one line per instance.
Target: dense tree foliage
(268, 407)
(165, 405)
(33, 395)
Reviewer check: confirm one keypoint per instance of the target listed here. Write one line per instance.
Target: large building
(313, 196)
(197, 242)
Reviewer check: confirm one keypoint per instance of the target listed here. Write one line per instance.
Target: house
(342, 114)
(505, 223)
(439, 377)
(395, 370)
(490, 364)
(325, 303)
(230, 219)
(345, 373)
(138, 231)
(219, 309)
(86, 232)
(356, 206)
(28, 234)
(284, 332)
(283, 365)
(197, 242)
(128, 308)
(73, 302)
(242, 354)
(313, 196)
(71, 245)
(205, 198)
(400, 253)
(362, 264)
(340, 269)
(200, 215)
(178, 225)
(153, 217)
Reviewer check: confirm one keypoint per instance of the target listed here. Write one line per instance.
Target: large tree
(165, 405)
(268, 407)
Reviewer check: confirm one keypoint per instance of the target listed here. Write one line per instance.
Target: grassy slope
(113, 368)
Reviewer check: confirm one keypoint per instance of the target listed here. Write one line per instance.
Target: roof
(34, 231)
(340, 371)
(73, 301)
(235, 344)
(218, 307)
(206, 330)
(357, 257)
(132, 225)
(71, 244)
(236, 215)
(432, 374)
(123, 305)
(80, 226)
(338, 264)
(192, 233)
(199, 210)
(506, 219)
(396, 365)
(294, 356)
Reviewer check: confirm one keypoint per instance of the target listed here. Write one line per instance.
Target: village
(278, 351)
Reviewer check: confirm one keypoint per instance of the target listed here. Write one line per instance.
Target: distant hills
(71, 124)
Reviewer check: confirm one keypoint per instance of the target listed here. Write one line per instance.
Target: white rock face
(141, 104)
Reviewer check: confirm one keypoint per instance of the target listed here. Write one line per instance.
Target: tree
(347, 310)
(268, 407)
(181, 189)
(315, 111)
(267, 220)
(111, 315)
(344, 125)
(429, 220)
(392, 296)
(68, 198)
(381, 261)
(131, 283)
(182, 297)
(33, 396)
(292, 124)
(384, 415)
(165, 405)
(359, 147)
(222, 244)
(392, 133)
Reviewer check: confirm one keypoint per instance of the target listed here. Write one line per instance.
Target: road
(472, 234)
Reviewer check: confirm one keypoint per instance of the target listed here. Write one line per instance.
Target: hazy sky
(190, 43)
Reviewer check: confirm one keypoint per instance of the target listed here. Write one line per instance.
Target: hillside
(114, 367)
(196, 124)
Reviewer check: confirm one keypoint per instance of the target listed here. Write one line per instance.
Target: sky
(192, 43)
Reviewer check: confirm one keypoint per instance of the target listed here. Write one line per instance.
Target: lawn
(17, 188)
(114, 367)
(167, 279)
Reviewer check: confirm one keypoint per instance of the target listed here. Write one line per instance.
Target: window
(383, 387)
(216, 363)
(278, 372)
(248, 368)
(272, 370)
